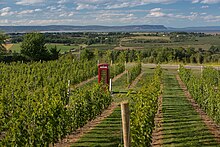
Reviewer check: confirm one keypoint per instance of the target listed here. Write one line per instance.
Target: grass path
(109, 132)
(157, 134)
(103, 130)
(76, 135)
(182, 125)
(212, 126)
(106, 134)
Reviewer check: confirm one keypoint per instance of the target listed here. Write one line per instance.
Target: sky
(170, 13)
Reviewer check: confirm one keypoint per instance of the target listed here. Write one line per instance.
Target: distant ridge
(99, 28)
(196, 29)
(89, 28)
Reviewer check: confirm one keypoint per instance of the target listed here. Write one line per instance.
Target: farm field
(63, 48)
(201, 42)
(140, 41)
(101, 46)
(181, 124)
(7, 46)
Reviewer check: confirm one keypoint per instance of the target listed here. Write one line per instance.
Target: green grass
(101, 46)
(143, 80)
(182, 126)
(16, 47)
(203, 42)
(106, 134)
(120, 85)
(63, 48)
(168, 45)
(215, 40)
(147, 75)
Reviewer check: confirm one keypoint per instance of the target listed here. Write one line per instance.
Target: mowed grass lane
(182, 125)
(108, 133)
(63, 48)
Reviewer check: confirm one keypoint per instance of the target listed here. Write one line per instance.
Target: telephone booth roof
(103, 64)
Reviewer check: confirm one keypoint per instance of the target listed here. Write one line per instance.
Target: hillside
(90, 28)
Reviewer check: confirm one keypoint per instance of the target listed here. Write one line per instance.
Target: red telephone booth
(103, 73)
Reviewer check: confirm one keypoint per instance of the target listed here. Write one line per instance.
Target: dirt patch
(211, 125)
(8, 46)
(157, 135)
(76, 135)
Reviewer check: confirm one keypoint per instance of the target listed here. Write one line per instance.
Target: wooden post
(110, 85)
(128, 77)
(68, 93)
(125, 114)
(125, 64)
(201, 70)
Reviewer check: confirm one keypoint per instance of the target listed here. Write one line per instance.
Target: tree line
(33, 48)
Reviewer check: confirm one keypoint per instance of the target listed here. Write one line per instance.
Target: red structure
(103, 73)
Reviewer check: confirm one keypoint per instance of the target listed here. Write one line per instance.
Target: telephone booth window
(103, 73)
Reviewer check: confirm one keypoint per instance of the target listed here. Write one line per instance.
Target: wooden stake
(125, 114)
(110, 85)
(128, 77)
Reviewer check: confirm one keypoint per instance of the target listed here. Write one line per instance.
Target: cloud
(49, 21)
(116, 4)
(4, 21)
(159, 1)
(93, 1)
(108, 12)
(205, 7)
(195, 1)
(51, 8)
(206, 1)
(212, 18)
(66, 14)
(26, 12)
(210, 1)
(62, 1)
(29, 2)
(38, 10)
(85, 6)
(155, 9)
(29, 11)
(6, 11)
(113, 17)
(157, 13)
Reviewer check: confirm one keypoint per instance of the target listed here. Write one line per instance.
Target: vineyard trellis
(144, 106)
(33, 96)
(204, 89)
